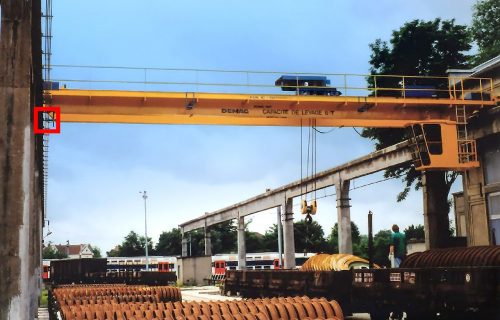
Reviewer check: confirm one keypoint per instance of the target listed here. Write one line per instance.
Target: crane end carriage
(438, 146)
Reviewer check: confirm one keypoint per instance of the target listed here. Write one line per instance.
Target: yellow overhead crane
(435, 123)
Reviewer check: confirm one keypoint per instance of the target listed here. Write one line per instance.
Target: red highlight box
(54, 113)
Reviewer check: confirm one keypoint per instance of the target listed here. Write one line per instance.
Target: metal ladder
(466, 147)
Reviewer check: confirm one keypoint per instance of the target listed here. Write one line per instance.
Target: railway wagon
(68, 271)
(76, 270)
(274, 283)
(422, 293)
(454, 283)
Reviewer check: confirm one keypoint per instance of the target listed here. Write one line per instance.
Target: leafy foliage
(418, 48)
(333, 238)
(485, 29)
(96, 251)
(415, 232)
(132, 246)
(270, 239)
(254, 241)
(51, 252)
(381, 243)
(309, 237)
(224, 237)
(170, 243)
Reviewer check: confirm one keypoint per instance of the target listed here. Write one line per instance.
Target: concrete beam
(371, 163)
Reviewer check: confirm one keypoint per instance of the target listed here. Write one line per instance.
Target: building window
(494, 211)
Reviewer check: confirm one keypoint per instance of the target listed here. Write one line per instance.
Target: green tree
(254, 241)
(360, 249)
(170, 243)
(223, 237)
(333, 238)
(96, 251)
(415, 232)
(115, 252)
(196, 242)
(381, 242)
(51, 252)
(132, 246)
(485, 30)
(309, 237)
(270, 239)
(419, 48)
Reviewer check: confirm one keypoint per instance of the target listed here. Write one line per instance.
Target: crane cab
(436, 146)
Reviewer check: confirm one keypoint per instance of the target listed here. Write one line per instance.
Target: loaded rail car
(307, 85)
(422, 293)
(454, 283)
(94, 271)
(76, 270)
(272, 283)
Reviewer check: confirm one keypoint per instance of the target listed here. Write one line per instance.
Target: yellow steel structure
(432, 121)
(106, 106)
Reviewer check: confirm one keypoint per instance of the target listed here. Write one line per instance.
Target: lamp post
(145, 196)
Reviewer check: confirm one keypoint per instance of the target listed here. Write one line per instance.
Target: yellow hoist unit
(305, 209)
(308, 210)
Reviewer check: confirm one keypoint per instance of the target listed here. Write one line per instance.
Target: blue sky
(97, 170)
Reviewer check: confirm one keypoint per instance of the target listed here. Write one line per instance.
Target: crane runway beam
(108, 106)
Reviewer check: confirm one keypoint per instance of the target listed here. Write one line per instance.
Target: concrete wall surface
(194, 271)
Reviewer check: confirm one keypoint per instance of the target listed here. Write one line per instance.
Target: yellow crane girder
(108, 106)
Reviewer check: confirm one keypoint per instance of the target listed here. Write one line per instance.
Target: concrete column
(288, 237)
(242, 250)
(184, 244)
(436, 222)
(344, 216)
(280, 237)
(476, 216)
(208, 242)
(20, 194)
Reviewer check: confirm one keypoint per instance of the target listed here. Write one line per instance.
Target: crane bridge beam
(108, 106)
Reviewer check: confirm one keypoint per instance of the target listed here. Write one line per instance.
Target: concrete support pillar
(280, 236)
(184, 245)
(476, 216)
(344, 216)
(242, 250)
(208, 242)
(436, 222)
(20, 194)
(288, 237)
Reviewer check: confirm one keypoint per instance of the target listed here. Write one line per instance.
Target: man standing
(397, 249)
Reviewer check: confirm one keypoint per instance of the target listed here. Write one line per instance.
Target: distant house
(75, 251)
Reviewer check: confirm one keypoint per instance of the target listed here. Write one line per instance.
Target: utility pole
(145, 196)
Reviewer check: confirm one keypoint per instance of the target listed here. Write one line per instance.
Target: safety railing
(267, 82)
